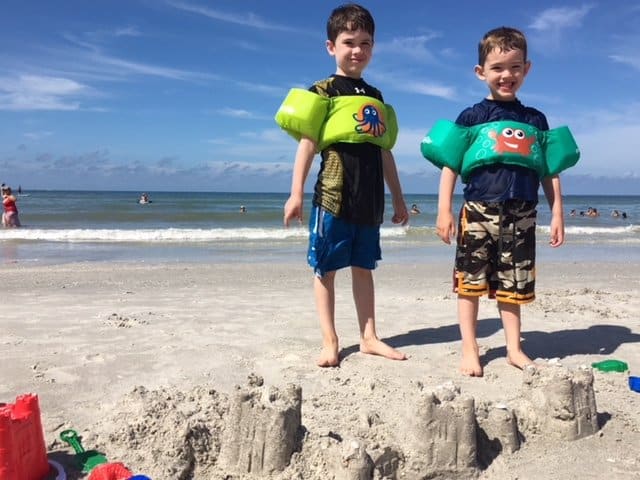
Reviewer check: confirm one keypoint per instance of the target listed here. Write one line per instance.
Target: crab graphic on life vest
(512, 140)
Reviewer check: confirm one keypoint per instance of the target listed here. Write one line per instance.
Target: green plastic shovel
(87, 460)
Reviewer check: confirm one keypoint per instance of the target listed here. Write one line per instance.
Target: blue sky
(180, 94)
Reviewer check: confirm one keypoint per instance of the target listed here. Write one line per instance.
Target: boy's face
(353, 51)
(503, 73)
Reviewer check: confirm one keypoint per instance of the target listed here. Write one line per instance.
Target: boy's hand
(556, 231)
(400, 213)
(293, 210)
(445, 227)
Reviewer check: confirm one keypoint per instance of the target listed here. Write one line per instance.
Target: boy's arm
(553, 192)
(304, 158)
(445, 223)
(400, 213)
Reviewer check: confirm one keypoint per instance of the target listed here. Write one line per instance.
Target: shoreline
(394, 251)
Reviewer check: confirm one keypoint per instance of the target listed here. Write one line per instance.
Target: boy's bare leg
(510, 315)
(364, 298)
(468, 319)
(324, 291)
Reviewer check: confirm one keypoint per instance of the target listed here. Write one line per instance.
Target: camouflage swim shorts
(496, 252)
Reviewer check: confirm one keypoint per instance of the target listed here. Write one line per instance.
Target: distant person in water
(592, 212)
(243, 209)
(10, 214)
(144, 198)
(414, 209)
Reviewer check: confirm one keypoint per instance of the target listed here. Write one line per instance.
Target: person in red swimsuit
(10, 214)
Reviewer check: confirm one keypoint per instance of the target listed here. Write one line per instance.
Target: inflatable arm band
(328, 120)
(445, 145)
(561, 150)
(465, 148)
(302, 114)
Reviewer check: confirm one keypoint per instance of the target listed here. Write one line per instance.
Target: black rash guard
(350, 183)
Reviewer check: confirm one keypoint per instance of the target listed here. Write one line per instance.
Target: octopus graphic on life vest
(370, 121)
(512, 140)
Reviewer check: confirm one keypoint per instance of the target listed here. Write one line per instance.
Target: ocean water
(71, 226)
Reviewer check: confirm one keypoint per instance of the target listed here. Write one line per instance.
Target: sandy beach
(112, 349)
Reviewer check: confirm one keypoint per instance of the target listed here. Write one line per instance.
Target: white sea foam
(196, 235)
(168, 235)
(582, 230)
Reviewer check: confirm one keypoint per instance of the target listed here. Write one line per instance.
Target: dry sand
(144, 362)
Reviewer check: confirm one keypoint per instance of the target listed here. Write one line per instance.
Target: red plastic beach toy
(23, 453)
(110, 471)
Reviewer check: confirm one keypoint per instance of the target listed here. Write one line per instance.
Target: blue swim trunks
(336, 244)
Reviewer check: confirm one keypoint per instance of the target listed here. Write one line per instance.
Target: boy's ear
(527, 66)
(479, 71)
(331, 47)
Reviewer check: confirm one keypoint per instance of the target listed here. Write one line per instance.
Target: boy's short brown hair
(504, 38)
(349, 18)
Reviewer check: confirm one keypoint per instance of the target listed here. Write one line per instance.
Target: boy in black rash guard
(348, 201)
(495, 251)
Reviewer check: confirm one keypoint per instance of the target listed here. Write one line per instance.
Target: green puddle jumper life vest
(465, 148)
(346, 118)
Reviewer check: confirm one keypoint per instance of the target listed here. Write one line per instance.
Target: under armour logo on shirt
(360, 90)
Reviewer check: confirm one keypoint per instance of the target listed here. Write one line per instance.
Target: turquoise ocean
(77, 226)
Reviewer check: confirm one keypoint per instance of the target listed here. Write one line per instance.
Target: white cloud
(261, 169)
(554, 20)
(37, 135)
(246, 19)
(413, 47)
(88, 60)
(261, 145)
(138, 68)
(429, 89)
(410, 85)
(552, 25)
(236, 113)
(36, 92)
(102, 36)
(262, 88)
(129, 31)
(632, 59)
(45, 85)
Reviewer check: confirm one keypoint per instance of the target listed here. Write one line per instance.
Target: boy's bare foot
(519, 360)
(375, 346)
(470, 363)
(329, 356)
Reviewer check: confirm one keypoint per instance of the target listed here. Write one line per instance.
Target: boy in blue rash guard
(495, 251)
(348, 199)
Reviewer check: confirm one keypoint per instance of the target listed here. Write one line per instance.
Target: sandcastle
(259, 431)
